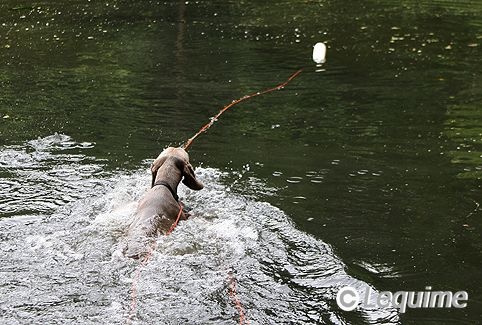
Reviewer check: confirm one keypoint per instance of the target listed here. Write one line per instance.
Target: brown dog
(159, 208)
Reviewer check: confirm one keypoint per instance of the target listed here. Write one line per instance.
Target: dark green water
(379, 155)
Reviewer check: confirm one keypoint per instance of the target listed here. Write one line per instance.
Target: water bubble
(294, 179)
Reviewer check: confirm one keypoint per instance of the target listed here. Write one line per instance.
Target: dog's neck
(170, 174)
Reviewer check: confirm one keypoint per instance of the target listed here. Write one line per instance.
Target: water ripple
(41, 177)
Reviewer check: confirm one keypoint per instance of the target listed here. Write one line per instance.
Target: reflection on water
(65, 265)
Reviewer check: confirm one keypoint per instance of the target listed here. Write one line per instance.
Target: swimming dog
(159, 208)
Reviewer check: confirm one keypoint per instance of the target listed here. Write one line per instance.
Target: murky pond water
(366, 173)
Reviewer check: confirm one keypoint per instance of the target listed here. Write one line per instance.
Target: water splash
(64, 264)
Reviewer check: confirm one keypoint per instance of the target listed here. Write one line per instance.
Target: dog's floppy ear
(190, 179)
(155, 167)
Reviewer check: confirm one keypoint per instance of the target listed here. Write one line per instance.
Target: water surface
(365, 173)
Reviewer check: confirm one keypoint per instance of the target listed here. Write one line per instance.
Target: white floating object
(319, 53)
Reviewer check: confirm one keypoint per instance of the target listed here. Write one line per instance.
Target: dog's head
(182, 161)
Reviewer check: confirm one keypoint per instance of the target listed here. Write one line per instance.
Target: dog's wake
(65, 265)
